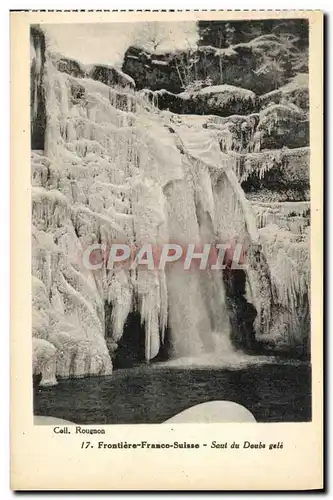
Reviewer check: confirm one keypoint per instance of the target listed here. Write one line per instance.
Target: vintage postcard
(167, 250)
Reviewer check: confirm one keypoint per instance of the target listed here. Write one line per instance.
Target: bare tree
(151, 35)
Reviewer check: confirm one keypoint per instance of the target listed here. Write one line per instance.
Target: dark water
(147, 394)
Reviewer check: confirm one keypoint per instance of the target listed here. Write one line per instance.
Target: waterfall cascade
(114, 168)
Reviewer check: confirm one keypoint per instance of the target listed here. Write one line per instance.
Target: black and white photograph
(170, 222)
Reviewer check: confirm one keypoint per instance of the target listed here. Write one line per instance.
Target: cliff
(103, 73)
(261, 65)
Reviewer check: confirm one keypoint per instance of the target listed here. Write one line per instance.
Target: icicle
(119, 294)
(288, 258)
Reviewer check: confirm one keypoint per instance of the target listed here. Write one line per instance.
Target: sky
(107, 42)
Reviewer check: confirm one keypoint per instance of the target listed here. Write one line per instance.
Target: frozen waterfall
(116, 169)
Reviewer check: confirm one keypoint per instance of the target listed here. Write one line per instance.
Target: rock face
(103, 73)
(242, 313)
(222, 100)
(37, 97)
(250, 65)
(281, 171)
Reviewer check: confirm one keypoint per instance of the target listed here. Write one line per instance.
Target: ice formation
(115, 168)
(288, 258)
(287, 215)
(293, 164)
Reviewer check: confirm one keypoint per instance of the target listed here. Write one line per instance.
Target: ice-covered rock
(275, 175)
(276, 122)
(44, 359)
(107, 74)
(288, 258)
(293, 216)
(220, 100)
(296, 91)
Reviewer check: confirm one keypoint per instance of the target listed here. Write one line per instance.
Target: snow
(229, 90)
(156, 62)
(300, 81)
